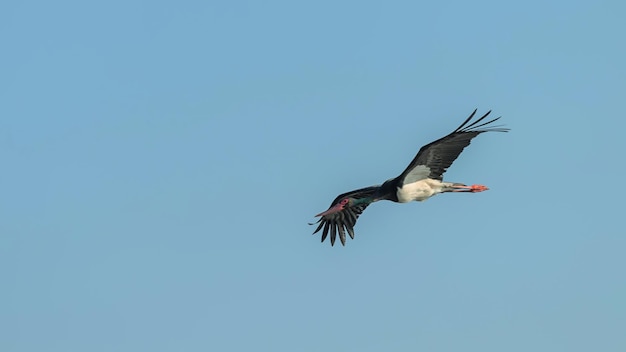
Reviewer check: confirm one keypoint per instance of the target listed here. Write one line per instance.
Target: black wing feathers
(440, 154)
(339, 223)
(431, 161)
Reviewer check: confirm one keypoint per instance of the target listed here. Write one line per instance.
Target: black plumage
(430, 163)
(440, 154)
(345, 220)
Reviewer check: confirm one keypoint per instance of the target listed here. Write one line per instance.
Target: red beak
(337, 208)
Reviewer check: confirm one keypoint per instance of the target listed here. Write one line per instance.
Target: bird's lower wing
(343, 221)
(339, 223)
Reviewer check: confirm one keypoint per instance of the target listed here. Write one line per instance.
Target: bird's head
(346, 202)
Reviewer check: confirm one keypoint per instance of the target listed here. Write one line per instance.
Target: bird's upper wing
(345, 219)
(435, 158)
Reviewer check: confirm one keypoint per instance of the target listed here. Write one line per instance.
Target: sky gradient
(161, 161)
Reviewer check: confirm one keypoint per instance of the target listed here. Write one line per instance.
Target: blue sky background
(161, 160)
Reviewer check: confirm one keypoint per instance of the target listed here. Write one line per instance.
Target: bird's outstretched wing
(435, 158)
(344, 220)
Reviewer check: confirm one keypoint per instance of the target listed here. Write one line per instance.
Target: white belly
(419, 190)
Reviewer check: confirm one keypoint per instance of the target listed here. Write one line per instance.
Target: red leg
(472, 188)
(478, 188)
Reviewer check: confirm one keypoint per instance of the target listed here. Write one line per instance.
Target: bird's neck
(387, 191)
(366, 200)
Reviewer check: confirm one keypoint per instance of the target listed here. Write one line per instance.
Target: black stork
(422, 179)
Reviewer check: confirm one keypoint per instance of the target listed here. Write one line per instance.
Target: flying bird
(422, 179)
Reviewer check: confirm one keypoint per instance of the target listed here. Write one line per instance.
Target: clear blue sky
(161, 160)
